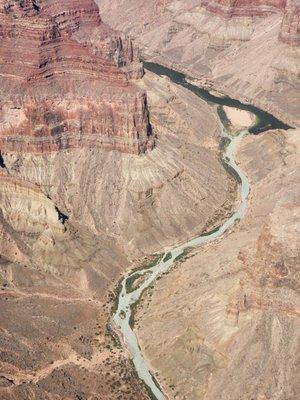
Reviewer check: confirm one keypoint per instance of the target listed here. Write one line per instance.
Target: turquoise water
(123, 315)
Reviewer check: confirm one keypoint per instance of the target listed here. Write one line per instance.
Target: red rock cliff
(230, 8)
(64, 80)
(290, 28)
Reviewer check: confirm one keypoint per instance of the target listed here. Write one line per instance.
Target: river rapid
(130, 292)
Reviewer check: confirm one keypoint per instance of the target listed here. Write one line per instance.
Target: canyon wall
(234, 8)
(246, 49)
(64, 80)
(290, 27)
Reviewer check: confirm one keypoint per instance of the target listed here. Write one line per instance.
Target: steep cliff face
(64, 80)
(290, 27)
(230, 8)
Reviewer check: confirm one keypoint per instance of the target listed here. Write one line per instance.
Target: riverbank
(219, 90)
(128, 300)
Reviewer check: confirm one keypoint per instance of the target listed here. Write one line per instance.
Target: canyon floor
(224, 322)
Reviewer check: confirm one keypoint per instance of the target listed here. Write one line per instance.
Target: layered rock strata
(64, 79)
(57, 279)
(234, 8)
(248, 50)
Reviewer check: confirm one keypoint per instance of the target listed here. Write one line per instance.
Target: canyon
(85, 188)
(104, 163)
(228, 314)
(248, 50)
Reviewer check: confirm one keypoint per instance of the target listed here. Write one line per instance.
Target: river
(130, 293)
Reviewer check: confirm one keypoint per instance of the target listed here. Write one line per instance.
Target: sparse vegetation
(131, 279)
(133, 310)
(129, 284)
(232, 172)
(224, 142)
(113, 335)
(183, 254)
(224, 119)
(150, 263)
(211, 232)
(149, 391)
(167, 257)
(116, 297)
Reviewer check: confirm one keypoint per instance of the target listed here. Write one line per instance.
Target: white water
(126, 300)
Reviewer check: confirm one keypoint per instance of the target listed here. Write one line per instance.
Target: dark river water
(264, 120)
(130, 295)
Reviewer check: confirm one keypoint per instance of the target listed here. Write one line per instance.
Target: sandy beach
(238, 117)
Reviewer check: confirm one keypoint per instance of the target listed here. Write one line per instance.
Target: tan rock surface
(248, 57)
(224, 324)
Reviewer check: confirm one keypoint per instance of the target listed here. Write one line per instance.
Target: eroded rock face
(290, 30)
(64, 79)
(230, 8)
(26, 208)
(290, 27)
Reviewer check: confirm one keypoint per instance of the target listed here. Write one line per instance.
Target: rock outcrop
(234, 8)
(26, 208)
(64, 80)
